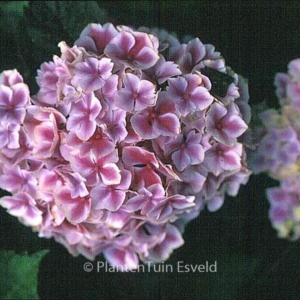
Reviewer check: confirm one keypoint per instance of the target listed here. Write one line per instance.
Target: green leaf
(18, 275)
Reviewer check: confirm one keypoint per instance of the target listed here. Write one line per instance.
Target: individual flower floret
(135, 49)
(13, 102)
(83, 116)
(157, 120)
(136, 95)
(95, 37)
(225, 123)
(188, 94)
(92, 73)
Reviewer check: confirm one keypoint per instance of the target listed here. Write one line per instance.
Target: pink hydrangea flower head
(123, 144)
(278, 153)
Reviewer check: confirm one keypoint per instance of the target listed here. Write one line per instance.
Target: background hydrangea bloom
(278, 153)
(123, 144)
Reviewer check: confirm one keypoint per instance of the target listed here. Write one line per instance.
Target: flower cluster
(278, 153)
(123, 144)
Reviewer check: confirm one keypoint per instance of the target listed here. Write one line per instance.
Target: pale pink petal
(134, 155)
(107, 198)
(181, 159)
(6, 95)
(20, 95)
(167, 124)
(144, 127)
(121, 258)
(110, 174)
(146, 58)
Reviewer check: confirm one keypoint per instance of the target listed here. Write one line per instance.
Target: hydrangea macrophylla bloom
(83, 115)
(194, 52)
(135, 49)
(76, 209)
(113, 123)
(9, 136)
(225, 123)
(188, 150)
(278, 153)
(136, 95)
(123, 144)
(111, 197)
(92, 73)
(188, 95)
(95, 37)
(162, 71)
(10, 77)
(18, 180)
(160, 119)
(13, 101)
(146, 199)
(97, 168)
(223, 158)
(23, 206)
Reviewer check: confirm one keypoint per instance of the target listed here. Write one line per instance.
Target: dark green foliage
(18, 275)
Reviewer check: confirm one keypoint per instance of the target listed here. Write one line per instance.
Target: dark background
(257, 39)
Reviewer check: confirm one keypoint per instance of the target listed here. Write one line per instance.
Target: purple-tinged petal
(143, 125)
(215, 203)
(167, 124)
(107, 198)
(163, 250)
(23, 206)
(133, 155)
(95, 37)
(146, 58)
(121, 258)
(15, 180)
(125, 100)
(83, 115)
(180, 159)
(110, 174)
(135, 203)
(6, 95)
(136, 95)
(10, 77)
(76, 209)
(20, 95)
(93, 72)
(165, 69)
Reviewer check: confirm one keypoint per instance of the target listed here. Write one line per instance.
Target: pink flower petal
(134, 155)
(110, 174)
(181, 159)
(167, 124)
(144, 126)
(121, 258)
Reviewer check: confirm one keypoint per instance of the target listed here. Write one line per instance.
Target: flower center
(219, 126)
(220, 152)
(186, 96)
